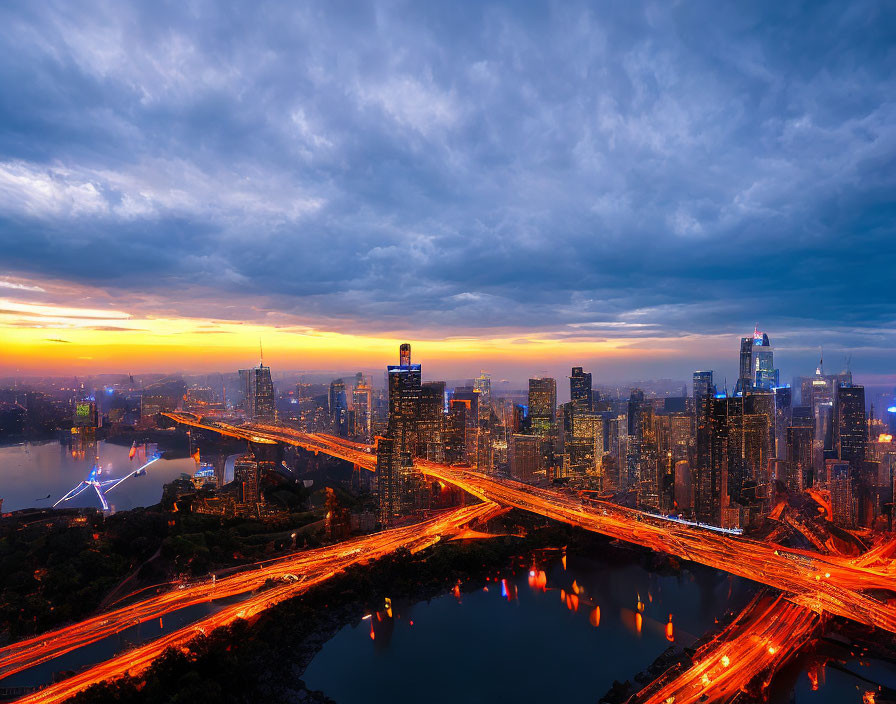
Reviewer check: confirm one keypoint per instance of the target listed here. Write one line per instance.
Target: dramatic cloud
(640, 170)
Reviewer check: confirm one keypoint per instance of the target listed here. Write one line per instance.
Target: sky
(515, 187)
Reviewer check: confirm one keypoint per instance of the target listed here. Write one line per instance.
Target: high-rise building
(405, 386)
(362, 406)
(683, 493)
(800, 436)
(765, 376)
(460, 425)
(641, 441)
(711, 471)
(584, 440)
(850, 434)
(745, 368)
(528, 457)
(543, 406)
(783, 412)
(841, 487)
(430, 429)
(756, 367)
(483, 384)
(399, 483)
(258, 392)
(338, 406)
(389, 480)
(580, 389)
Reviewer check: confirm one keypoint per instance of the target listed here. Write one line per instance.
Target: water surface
(31, 471)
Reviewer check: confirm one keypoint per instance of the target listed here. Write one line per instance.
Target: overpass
(285, 578)
(266, 433)
(822, 583)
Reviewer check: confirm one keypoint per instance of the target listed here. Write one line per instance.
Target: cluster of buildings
(723, 459)
(719, 457)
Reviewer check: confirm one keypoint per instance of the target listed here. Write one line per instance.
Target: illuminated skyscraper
(800, 448)
(850, 435)
(757, 367)
(404, 399)
(338, 407)
(711, 472)
(258, 392)
(362, 406)
(543, 406)
(246, 474)
(745, 375)
(483, 384)
(397, 481)
(703, 386)
(580, 389)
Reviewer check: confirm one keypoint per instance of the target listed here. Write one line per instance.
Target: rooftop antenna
(260, 353)
(820, 370)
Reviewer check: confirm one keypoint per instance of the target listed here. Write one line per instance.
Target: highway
(822, 583)
(750, 649)
(832, 584)
(293, 575)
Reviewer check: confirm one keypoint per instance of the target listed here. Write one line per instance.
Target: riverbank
(267, 661)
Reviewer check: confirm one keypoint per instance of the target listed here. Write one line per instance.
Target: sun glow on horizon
(65, 339)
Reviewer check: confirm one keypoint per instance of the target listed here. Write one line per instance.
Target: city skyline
(627, 188)
(339, 339)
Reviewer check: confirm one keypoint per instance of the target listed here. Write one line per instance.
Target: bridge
(266, 433)
(854, 589)
(757, 643)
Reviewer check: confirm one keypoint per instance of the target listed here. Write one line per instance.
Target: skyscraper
(362, 406)
(398, 483)
(849, 424)
(483, 384)
(703, 386)
(543, 406)
(338, 407)
(745, 375)
(800, 437)
(711, 472)
(258, 392)
(404, 398)
(580, 389)
(757, 367)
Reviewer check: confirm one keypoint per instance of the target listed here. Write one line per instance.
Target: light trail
(353, 452)
(820, 582)
(824, 583)
(749, 650)
(310, 564)
(316, 567)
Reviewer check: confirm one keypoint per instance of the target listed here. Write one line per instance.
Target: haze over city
(447, 352)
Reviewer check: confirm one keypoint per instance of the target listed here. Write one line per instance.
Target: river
(516, 642)
(35, 475)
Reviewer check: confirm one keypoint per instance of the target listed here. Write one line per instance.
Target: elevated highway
(835, 585)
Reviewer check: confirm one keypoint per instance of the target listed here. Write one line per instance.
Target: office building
(543, 406)
(580, 389)
(258, 392)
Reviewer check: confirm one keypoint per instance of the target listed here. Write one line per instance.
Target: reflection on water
(545, 633)
(38, 474)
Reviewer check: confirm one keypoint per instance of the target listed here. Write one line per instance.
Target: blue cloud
(461, 167)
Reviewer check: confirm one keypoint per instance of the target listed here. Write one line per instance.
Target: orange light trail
(298, 573)
(761, 639)
(822, 583)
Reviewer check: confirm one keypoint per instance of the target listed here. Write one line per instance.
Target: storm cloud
(634, 169)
